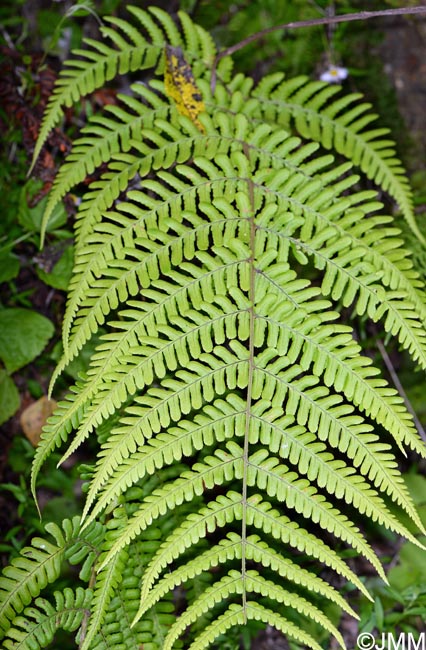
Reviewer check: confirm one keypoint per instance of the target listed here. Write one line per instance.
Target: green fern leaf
(131, 51)
(229, 548)
(37, 566)
(254, 583)
(343, 130)
(237, 615)
(106, 583)
(224, 510)
(37, 628)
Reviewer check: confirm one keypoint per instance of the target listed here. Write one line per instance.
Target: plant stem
(327, 20)
(399, 387)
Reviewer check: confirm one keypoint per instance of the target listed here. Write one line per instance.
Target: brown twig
(329, 20)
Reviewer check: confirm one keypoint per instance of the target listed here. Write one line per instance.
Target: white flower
(334, 74)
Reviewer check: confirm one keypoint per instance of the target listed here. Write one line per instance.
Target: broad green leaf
(410, 570)
(31, 217)
(60, 275)
(9, 397)
(23, 336)
(9, 267)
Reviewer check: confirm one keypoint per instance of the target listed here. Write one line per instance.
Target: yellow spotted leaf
(181, 87)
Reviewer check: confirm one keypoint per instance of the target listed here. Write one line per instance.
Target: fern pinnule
(198, 42)
(37, 627)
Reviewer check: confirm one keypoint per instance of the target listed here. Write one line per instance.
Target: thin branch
(329, 20)
(398, 386)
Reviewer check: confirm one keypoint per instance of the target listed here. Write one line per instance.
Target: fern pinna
(240, 427)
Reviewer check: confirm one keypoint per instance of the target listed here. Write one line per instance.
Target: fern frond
(408, 335)
(106, 243)
(37, 566)
(239, 424)
(223, 420)
(230, 548)
(227, 465)
(36, 629)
